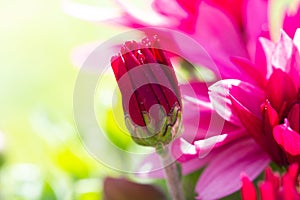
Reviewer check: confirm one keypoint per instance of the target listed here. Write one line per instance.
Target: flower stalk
(172, 173)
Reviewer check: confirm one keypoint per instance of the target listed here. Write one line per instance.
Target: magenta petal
(256, 21)
(219, 93)
(263, 56)
(183, 150)
(224, 170)
(267, 191)
(251, 70)
(217, 42)
(235, 12)
(197, 93)
(291, 23)
(273, 177)
(246, 94)
(288, 139)
(206, 146)
(248, 190)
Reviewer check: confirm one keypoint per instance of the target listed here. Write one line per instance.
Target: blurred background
(41, 154)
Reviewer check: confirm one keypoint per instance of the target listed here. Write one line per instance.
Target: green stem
(172, 174)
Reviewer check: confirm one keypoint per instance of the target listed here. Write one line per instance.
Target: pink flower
(274, 187)
(268, 107)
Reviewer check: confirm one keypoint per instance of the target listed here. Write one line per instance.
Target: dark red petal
(280, 89)
(294, 118)
(118, 66)
(270, 119)
(130, 60)
(130, 102)
(143, 81)
(255, 128)
(134, 109)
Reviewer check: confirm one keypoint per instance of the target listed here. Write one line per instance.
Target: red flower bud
(150, 93)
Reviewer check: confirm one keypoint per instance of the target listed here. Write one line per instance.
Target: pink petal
(205, 146)
(291, 23)
(195, 164)
(297, 38)
(184, 12)
(282, 52)
(248, 95)
(256, 21)
(183, 150)
(294, 70)
(197, 93)
(251, 70)
(235, 12)
(145, 14)
(217, 42)
(240, 157)
(288, 139)
(263, 56)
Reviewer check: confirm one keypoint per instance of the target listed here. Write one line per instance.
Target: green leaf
(189, 184)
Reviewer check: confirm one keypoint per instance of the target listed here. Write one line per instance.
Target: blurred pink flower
(268, 107)
(274, 187)
(220, 28)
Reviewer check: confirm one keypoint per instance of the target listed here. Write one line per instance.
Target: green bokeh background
(42, 156)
